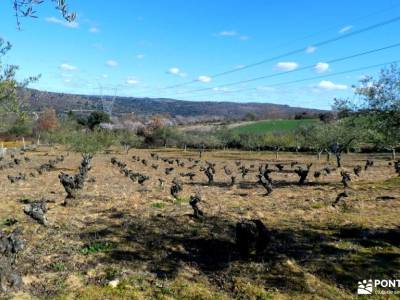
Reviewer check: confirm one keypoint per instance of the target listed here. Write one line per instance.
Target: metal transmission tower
(107, 101)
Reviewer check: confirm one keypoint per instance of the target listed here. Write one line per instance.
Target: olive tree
(279, 141)
(129, 140)
(342, 135)
(378, 105)
(316, 137)
(12, 102)
(90, 142)
(27, 8)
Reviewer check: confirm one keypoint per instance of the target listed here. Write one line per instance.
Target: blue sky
(137, 48)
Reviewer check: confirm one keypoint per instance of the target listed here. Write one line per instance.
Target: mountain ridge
(63, 102)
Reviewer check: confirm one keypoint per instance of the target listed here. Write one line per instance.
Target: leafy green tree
(90, 142)
(378, 106)
(168, 136)
(10, 101)
(96, 118)
(315, 137)
(250, 117)
(226, 137)
(279, 141)
(129, 140)
(343, 135)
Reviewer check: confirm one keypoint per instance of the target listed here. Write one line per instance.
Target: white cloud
(67, 67)
(233, 34)
(329, 85)
(346, 29)
(228, 33)
(61, 22)
(94, 30)
(310, 49)
(204, 78)
(111, 63)
(287, 66)
(132, 81)
(104, 76)
(140, 56)
(176, 71)
(321, 67)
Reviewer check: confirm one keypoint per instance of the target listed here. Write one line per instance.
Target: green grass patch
(158, 205)
(267, 126)
(392, 182)
(97, 247)
(181, 200)
(58, 266)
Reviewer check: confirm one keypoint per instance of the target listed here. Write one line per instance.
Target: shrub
(97, 117)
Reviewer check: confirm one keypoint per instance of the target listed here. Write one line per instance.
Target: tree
(378, 105)
(129, 140)
(278, 141)
(341, 136)
(26, 8)
(333, 138)
(167, 136)
(97, 117)
(315, 137)
(10, 101)
(327, 117)
(250, 117)
(92, 142)
(156, 123)
(47, 121)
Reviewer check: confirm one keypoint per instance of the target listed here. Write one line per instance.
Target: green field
(272, 125)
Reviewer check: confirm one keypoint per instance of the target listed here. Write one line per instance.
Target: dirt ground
(149, 246)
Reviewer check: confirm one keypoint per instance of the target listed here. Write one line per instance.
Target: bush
(96, 118)
(20, 129)
(129, 140)
(91, 142)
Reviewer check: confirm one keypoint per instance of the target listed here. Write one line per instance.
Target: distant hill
(148, 106)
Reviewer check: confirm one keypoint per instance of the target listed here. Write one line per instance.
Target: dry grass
(149, 241)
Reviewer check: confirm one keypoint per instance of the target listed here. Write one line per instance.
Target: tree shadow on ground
(165, 244)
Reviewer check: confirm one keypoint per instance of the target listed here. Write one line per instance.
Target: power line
(337, 73)
(319, 77)
(296, 70)
(337, 26)
(300, 50)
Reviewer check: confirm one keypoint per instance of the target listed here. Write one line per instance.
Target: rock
(37, 212)
(10, 244)
(114, 283)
